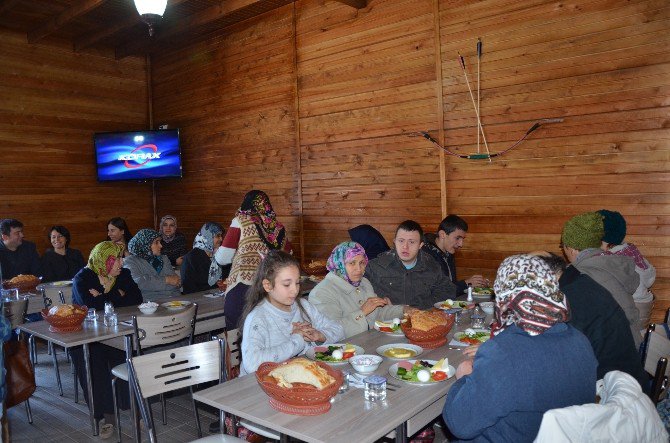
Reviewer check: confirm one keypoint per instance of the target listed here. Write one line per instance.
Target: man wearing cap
(581, 240)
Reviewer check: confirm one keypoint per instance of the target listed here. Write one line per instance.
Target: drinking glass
(91, 315)
(10, 294)
(111, 319)
(375, 388)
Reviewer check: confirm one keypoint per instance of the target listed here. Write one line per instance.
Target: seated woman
(199, 270)
(151, 271)
(371, 240)
(173, 241)
(103, 280)
(61, 262)
(118, 232)
(346, 296)
(535, 362)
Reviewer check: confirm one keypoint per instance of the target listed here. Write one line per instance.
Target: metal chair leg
(49, 347)
(58, 381)
(33, 350)
(76, 388)
(117, 416)
(197, 417)
(29, 412)
(164, 409)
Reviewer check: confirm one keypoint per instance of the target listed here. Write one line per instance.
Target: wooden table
(406, 410)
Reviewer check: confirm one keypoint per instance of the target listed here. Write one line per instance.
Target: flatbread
(301, 370)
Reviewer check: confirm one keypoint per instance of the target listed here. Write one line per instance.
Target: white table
(406, 410)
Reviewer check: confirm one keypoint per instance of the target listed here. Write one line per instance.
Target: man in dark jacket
(595, 313)
(449, 239)
(17, 256)
(407, 275)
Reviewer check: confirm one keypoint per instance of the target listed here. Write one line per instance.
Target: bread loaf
(426, 320)
(301, 370)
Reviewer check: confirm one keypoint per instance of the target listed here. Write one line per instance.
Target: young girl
(277, 324)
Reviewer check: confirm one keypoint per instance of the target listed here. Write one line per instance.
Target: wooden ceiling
(115, 27)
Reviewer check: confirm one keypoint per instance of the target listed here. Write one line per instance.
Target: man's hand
(465, 368)
(173, 280)
(471, 350)
(477, 281)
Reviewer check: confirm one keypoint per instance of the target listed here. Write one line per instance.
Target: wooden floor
(59, 419)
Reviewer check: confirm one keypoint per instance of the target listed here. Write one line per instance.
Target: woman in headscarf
(535, 362)
(346, 296)
(370, 238)
(173, 241)
(253, 232)
(103, 280)
(151, 271)
(199, 270)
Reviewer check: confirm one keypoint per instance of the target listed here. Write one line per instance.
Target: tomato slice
(439, 375)
(347, 355)
(385, 329)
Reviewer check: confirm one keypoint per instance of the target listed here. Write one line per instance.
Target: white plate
(215, 294)
(459, 335)
(397, 333)
(457, 304)
(311, 353)
(174, 305)
(393, 372)
(480, 294)
(55, 284)
(415, 348)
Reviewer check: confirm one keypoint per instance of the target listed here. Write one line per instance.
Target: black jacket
(57, 267)
(447, 263)
(24, 260)
(125, 291)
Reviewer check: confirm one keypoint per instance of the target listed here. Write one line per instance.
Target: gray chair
(172, 369)
(655, 361)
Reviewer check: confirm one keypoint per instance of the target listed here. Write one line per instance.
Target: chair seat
(222, 438)
(260, 430)
(121, 371)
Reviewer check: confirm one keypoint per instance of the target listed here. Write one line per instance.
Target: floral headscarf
(205, 240)
(140, 245)
(344, 253)
(168, 238)
(527, 295)
(256, 208)
(102, 258)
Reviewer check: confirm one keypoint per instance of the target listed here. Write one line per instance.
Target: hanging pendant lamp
(151, 12)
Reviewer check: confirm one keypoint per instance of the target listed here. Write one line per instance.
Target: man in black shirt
(17, 256)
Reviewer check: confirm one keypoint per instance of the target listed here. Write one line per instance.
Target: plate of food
(422, 372)
(176, 304)
(399, 351)
(390, 327)
(334, 354)
(55, 284)
(453, 304)
(472, 336)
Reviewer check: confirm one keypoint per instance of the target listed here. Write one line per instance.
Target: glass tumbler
(111, 319)
(375, 388)
(91, 315)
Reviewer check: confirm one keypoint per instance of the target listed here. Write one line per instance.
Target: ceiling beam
(358, 4)
(105, 31)
(52, 25)
(5, 5)
(190, 24)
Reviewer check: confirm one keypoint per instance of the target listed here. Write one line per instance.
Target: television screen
(139, 155)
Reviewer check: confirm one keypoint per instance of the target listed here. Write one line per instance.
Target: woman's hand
(311, 334)
(173, 280)
(373, 303)
(465, 368)
(471, 350)
(94, 292)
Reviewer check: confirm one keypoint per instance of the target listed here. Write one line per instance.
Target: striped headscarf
(140, 245)
(205, 240)
(102, 258)
(527, 295)
(168, 238)
(342, 254)
(256, 207)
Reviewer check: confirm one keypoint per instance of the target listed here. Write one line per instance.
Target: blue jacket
(516, 379)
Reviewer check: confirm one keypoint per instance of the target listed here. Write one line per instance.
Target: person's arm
(146, 276)
(78, 259)
(48, 273)
(35, 265)
(327, 301)
(288, 247)
(442, 288)
(225, 253)
(125, 291)
(331, 329)
(84, 285)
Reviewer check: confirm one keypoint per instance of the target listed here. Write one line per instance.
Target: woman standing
(61, 262)
(199, 270)
(173, 241)
(253, 232)
(346, 296)
(151, 271)
(118, 232)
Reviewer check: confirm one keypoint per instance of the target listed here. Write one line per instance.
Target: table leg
(401, 433)
(89, 388)
(133, 405)
(283, 438)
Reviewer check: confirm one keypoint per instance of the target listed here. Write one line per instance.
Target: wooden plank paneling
(51, 103)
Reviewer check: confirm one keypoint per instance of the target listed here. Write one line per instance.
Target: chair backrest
(656, 354)
(173, 369)
(15, 311)
(232, 356)
(162, 330)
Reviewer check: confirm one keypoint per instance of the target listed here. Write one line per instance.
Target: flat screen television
(138, 155)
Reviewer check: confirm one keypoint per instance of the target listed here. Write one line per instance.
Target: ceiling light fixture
(151, 12)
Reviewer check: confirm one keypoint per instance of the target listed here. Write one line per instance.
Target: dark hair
(120, 223)
(8, 223)
(452, 222)
(62, 230)
(555, 262)
(274, 261)
(410, 225)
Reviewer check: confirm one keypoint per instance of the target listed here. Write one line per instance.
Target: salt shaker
(469, 293)
(477, 318)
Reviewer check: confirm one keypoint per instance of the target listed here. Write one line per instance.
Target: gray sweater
(151, 283)
(267, 333)
(341, 301)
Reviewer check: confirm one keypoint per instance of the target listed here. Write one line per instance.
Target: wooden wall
(51, 103)
(314, 103)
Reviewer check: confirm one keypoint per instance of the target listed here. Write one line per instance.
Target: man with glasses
(406, 275)
(17, 256)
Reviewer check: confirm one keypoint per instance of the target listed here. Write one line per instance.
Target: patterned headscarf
(168, 238)
(256, 208)
(205, 240)
(344, 253)
(527, 295)
(102, 258)
(140, 245)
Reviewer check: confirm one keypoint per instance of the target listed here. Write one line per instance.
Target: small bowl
(365, 363)
(147, 308)
(487, 307)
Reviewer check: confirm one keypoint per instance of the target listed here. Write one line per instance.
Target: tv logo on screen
(146, 156)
